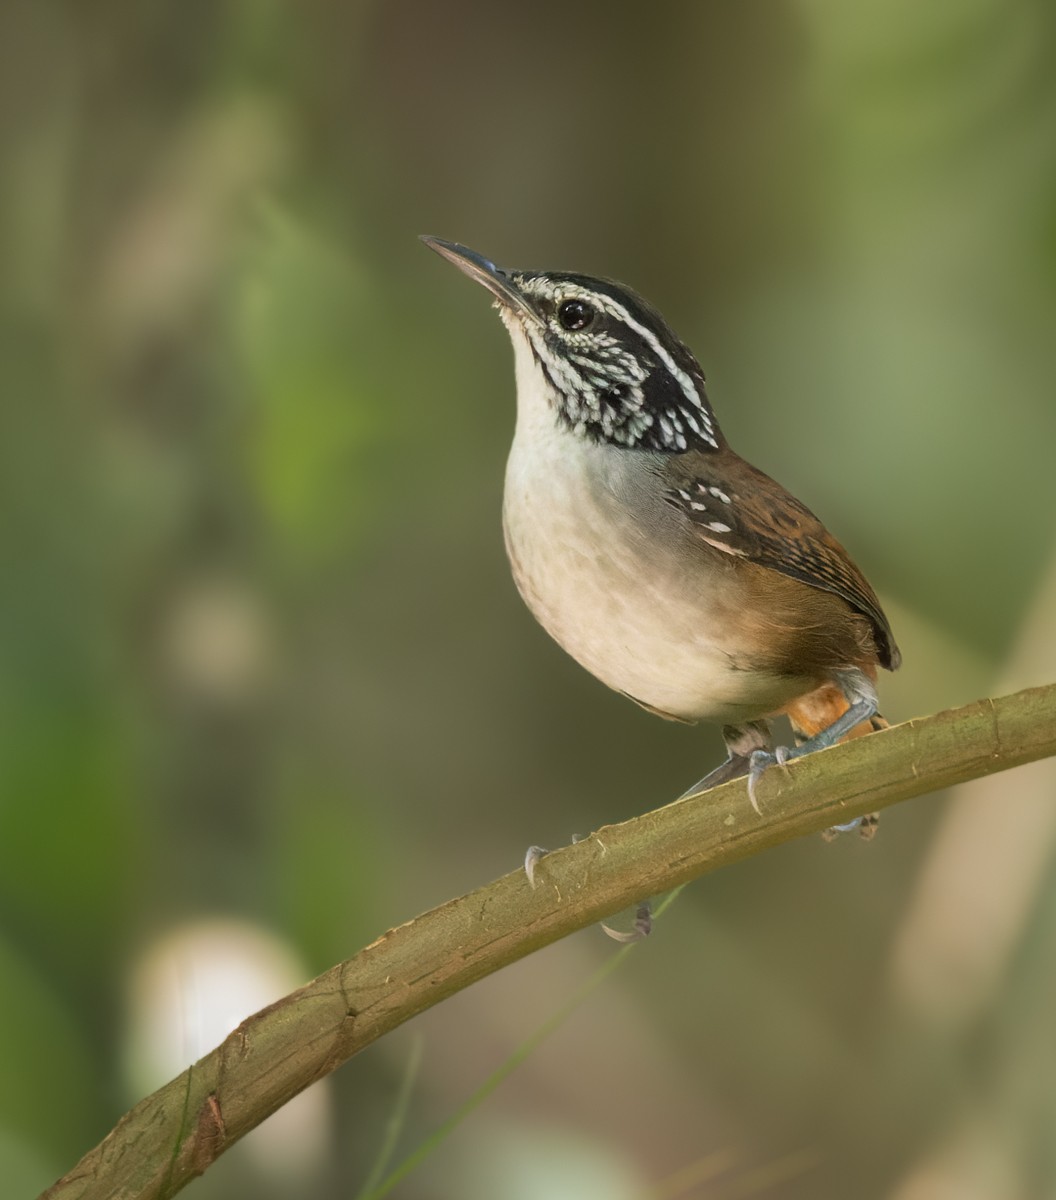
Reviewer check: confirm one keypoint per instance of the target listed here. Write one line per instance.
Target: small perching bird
(669, 567)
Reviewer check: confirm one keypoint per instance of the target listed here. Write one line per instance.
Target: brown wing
(743, 512)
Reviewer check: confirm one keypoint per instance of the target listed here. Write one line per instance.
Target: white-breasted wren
(662, 561)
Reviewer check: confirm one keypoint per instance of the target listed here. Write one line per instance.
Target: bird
(661, 560)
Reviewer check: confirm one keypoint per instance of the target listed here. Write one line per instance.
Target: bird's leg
(742, 743)
(860, 694)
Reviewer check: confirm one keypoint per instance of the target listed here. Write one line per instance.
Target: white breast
(602, 563)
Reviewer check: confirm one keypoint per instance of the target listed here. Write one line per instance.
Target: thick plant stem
(174, 1134)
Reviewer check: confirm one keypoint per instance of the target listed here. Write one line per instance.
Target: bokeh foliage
(259, 653)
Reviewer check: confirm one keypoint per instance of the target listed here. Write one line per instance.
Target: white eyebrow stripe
(685, 381)
(610, 306)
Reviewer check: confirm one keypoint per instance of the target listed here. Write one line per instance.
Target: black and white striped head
(615, 371)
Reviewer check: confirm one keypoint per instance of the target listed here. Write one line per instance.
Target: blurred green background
(266, 688)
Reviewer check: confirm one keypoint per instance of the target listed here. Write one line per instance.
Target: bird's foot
(741, 741)
(860, 694)
(642, 928)
(758, 763)
(643, 917)
(867, 827)
(761, 759)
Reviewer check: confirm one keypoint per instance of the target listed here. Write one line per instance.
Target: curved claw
(643, 926)
(760, 760)
(531, 858)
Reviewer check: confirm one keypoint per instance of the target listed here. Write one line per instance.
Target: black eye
(575, 314)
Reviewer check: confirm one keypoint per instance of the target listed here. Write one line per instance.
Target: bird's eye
(575, 314)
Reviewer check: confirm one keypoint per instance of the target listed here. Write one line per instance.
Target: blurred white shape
(987, 864)
(188, 992)
(217, 641)
(541, 1162)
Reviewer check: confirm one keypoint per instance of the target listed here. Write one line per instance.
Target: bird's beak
(478, 268)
